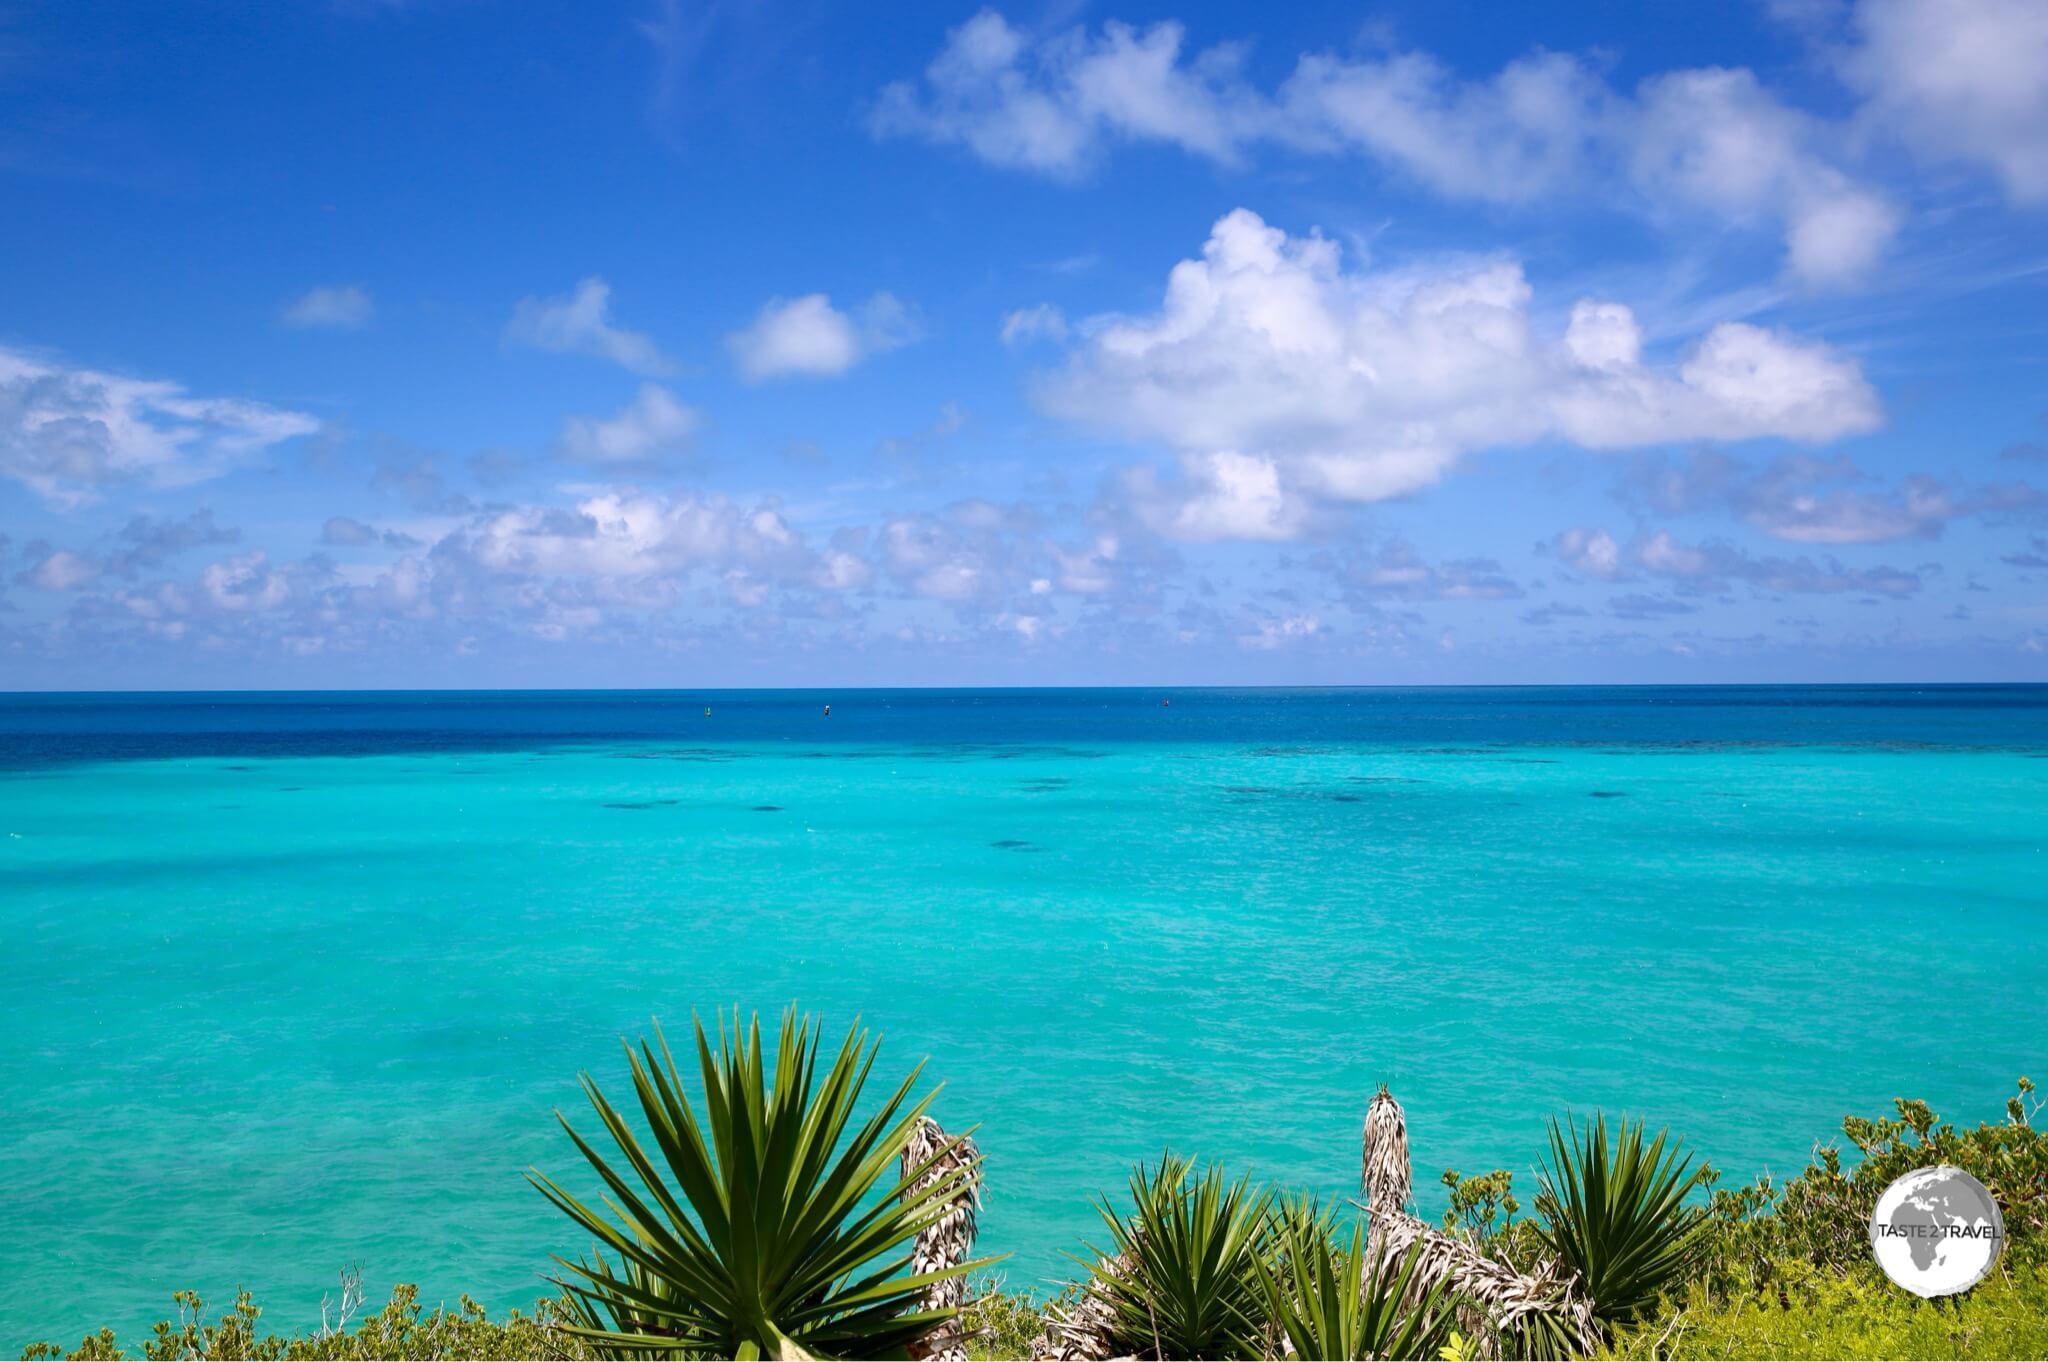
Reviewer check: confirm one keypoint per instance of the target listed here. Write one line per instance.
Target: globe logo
(1936, 1231)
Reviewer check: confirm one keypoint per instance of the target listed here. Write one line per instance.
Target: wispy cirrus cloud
(72, 433)
(330, 307)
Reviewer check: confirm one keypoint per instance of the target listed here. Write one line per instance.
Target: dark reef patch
(765, 808)
(1013, 844)
(1608, 794)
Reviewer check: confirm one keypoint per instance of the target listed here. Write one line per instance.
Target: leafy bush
(998, 1323)
(1616, 1214)
(1190, 1285)
(402, 1329)
(798, 1222)
(1823, 1214)
(1811, 1313)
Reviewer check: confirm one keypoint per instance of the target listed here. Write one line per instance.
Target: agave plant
(1332, 1302)
(781, 1228)
(1615, 1213)
(1185, 1281)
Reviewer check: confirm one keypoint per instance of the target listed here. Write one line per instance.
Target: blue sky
(437, 343)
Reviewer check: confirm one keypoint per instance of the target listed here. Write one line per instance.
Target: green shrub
(998, 1323)
(402, 1329)
(1823, 1215)
(1810, 1313)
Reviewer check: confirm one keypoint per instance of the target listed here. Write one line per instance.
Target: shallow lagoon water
(293, 982)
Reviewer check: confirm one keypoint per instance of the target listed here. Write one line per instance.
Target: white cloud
(337, 307)
(809, 337)
(245, 584)
(1527, 132)
(63, 570)
(1959, 78)
(1716, 140)
(1808, 500)
(1051, 106)
(1043, 322)
(1280, 631)
(580, 324)
(1277, 374)
(629, 533)
(69, 433)
(1547, 126)
(1711, 566)
(1592, 552)
(653, 424)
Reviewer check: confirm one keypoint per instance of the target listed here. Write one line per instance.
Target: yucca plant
(1333, 1302)
(1187, 1285)
(780, 1229)
(1615, 1213)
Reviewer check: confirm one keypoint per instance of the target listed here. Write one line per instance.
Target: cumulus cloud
(1281, 378)
(1716, 140)
(628, 533)
(1590, 552)
(346, 532)
(1395, 571)
(1809, 500)
(1710, 141)
(580, 323)
(652, 425)
(1051, 106)
(1713, 564)
(809, 337)
(147, 542)
(62, 570)
(246, 583)
(142, 544)
(1280, 631)
(71, 433)
(1963, 79)
(330, 307)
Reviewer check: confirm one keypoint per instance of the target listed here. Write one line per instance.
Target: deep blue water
(295, 980)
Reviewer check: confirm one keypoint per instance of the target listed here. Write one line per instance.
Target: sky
(444, 343)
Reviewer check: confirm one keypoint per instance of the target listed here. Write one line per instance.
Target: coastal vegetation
(770, 1218)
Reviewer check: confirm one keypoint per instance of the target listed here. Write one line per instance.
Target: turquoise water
(294, 982)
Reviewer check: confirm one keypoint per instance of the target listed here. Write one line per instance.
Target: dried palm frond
(1080, 1325)
(946, 1242)
(1544, 1308)
(1386, 1178)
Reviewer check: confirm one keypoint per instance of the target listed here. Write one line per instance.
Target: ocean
(296, 981)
